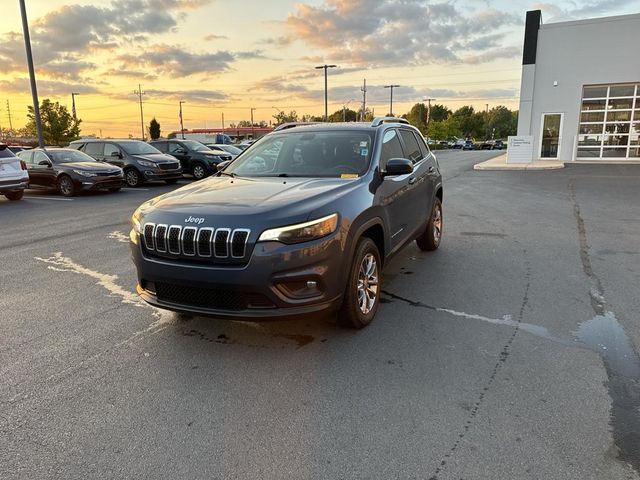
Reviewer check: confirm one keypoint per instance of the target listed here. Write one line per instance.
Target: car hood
(233, 200)
(90, 166)
(155, 157)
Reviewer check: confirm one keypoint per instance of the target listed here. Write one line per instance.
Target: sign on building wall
(520, 149)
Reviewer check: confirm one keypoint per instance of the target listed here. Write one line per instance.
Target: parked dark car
(140, 161)
(498, 145)
(195, 157)
(468, 145)
(492, 145)
(70, 171)
(300, 223)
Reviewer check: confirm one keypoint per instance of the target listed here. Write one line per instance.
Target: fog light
(299, 289)
(312, 284)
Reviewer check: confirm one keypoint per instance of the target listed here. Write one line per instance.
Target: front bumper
(104, 183)
(152, 175)
(272, 285)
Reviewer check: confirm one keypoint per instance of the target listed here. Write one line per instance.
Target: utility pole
(222, 122)
(181, 122)
(9, 113)
(73, 106)
(326, 104)
(32, 74)
(364, 99)
(140, 93)
(429, 100)
(253, 130)
(391, 100)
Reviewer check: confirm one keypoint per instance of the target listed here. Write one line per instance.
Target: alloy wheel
(367, 283)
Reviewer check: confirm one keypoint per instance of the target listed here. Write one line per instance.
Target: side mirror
(45, 163)
(398, 166)
(222, 165)
(116, 155)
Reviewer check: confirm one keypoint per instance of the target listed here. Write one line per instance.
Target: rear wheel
(198, 171)
(15, 195)
(432, 235)
(133, 177)
(66, 186)
(362, 293)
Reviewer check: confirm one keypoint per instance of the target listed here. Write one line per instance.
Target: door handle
(412, 180)
(432, 169)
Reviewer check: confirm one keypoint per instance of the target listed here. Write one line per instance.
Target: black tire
(432, 235)
(133, 178)
(15, 195)
(113, 190)
(198, 171)
(173, 181)
(358, 308)
(66, 187)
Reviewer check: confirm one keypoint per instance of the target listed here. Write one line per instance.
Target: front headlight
(135, 220)
(84, 173)
(302, 232)
(144, 163)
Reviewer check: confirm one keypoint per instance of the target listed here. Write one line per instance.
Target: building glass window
(609, 122)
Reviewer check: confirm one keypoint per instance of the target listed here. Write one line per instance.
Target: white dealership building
(580, 90)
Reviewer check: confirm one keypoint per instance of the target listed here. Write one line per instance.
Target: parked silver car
(14, 177)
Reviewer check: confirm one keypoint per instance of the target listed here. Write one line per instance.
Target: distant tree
(171, 135)
(343, 115)
(58, 126)
(154, 129)
(283, 117)
(312, 118)
(470, 122)
(502, 122)
(439, 112)
(244, 123)
(444, 129)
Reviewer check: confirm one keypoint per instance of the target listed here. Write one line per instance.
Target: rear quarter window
(96, 148)
(6, 153)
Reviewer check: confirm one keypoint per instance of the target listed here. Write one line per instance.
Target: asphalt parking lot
(512, 352)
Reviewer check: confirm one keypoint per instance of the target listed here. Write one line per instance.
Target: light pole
(32, 74)
(344, 110)
(253, 130)
(326, 105)
(181, 121)
(73, 105)
(140, 93)
(391, 99)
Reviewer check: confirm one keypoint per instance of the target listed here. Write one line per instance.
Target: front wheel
(198, 171)
(66, 186)
(362, 293)
(15, 195)
(133, 178)
(432, 235)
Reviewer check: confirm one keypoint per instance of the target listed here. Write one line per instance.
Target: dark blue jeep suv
(302, 222)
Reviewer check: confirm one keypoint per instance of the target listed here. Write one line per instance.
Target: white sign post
(520, 149)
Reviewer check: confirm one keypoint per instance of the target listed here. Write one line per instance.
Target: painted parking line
(50, 198)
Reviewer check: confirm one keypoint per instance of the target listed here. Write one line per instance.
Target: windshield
(138, 148)
(69, 156)
(340, 154)
(195, 146)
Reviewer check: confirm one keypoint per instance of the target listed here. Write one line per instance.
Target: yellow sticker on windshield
(349, 175)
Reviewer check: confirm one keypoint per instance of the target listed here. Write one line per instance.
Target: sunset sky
(227, 57)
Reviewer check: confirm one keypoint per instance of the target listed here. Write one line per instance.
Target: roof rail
(286, 126)
(380, 120)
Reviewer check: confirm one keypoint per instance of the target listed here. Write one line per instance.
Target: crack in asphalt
(605, 334)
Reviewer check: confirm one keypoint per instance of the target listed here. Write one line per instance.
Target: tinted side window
(423, 146)
(6, 153)
(391, 148)
(162, 146)
(39, 157)
(94, 148)
(26, 155)
(411, 144)
(174, 146)
(109, 148)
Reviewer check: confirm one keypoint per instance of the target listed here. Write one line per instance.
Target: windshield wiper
(222, 172)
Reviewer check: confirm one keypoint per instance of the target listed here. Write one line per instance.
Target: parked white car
(14, 177)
